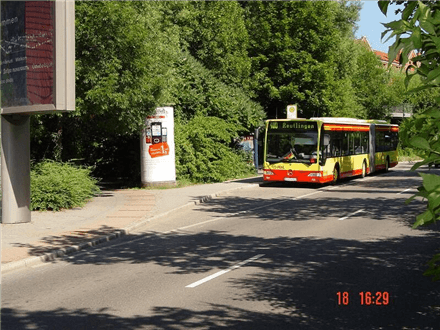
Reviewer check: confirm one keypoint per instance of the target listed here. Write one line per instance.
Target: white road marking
(318, 191)
(245, 211)
(208, 278)
(251, 210)
(347, 216)
(404, 191)
(196, 224)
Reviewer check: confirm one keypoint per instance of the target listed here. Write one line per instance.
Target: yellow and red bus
(326, 149)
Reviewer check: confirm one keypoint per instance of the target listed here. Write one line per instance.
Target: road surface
(270, 257)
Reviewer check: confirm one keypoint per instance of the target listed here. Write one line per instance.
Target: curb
(33, 261)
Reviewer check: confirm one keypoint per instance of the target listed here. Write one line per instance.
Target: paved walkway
(111, 214)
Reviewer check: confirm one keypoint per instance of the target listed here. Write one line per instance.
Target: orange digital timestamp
(366, 298)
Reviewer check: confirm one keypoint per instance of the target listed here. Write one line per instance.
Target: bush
(203, 154)
(57, 185)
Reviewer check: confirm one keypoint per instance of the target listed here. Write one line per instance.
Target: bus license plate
(289, 179)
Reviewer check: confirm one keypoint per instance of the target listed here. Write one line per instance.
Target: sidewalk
(112, 214)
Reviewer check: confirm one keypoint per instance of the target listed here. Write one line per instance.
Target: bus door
(372, 147)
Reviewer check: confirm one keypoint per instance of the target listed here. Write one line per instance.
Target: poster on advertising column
(157, 149)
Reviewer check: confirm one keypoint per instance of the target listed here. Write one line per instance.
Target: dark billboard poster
(27, 53)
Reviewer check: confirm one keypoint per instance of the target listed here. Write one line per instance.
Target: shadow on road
(378, 176)
(297, 277)
(218, 317)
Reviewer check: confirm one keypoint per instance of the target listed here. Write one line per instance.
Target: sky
(371, 27)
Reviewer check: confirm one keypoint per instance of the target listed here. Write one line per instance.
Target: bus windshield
(291, 142)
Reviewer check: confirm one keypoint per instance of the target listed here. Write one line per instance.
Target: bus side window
(335, 144)
(379, 141)
(326, 144)
(351, 138)
(365, 141)
(357, 147)
(332, 144)
(357, 143)
(389, 141)
(345, 144)
(394, 140)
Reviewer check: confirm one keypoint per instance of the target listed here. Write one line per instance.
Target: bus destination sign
(293, 125)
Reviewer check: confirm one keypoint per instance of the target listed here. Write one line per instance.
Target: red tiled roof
(384, 56)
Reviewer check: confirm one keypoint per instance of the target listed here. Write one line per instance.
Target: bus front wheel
(364, 169)
(335, 175)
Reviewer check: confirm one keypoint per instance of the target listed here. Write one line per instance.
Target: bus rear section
(385, 139)
(291, 151)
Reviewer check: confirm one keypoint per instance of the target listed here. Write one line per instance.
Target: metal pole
(256, 148)
(15, 169)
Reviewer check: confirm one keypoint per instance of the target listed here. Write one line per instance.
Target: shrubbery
(203, 154)
(57, 185)
(208, 115)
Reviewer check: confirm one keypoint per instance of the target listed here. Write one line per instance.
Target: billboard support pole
(15, 169)
(37, 77)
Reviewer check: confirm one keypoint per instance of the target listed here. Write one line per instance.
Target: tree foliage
(235, 61)
(295, 53)
(134, 56)
(419, 29)
(124, 54)
(212, 105)
(198, 92)
(203, 153)
(215, 34)
(375, 88)
(209, 115)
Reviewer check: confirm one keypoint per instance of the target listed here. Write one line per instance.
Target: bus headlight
(316, 174)
(268, 172)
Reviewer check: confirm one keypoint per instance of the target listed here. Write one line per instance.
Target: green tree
(124, 59)
(124, 54)
(294, 49)
(198, 92)
(209, 115)
(203, 152)
(340, 93)
(211, 99)
(134, 56)
(419, 28)
(374, 85)
(214, 33)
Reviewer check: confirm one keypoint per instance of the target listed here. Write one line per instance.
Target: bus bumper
(296, 176)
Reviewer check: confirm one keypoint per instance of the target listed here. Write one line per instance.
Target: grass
(408, 155)
(409, 159)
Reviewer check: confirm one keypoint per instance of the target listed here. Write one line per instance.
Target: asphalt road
(270, 257)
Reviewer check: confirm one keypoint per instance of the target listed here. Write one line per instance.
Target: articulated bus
(326, 149)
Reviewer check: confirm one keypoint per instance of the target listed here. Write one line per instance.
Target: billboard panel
(37, 56)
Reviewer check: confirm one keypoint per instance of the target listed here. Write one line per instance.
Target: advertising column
(157, 149)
